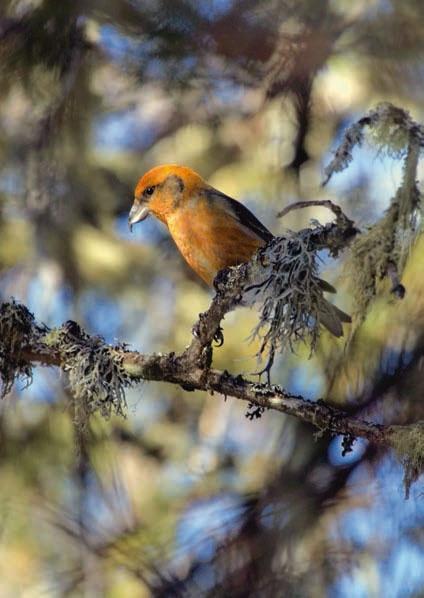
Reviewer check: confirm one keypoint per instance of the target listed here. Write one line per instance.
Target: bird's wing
(241, 214)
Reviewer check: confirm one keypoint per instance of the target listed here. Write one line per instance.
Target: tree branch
(62, 347)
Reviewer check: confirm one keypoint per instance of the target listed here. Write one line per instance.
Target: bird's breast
(210, 240)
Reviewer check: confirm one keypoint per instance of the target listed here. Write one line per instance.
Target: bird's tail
(332, 317)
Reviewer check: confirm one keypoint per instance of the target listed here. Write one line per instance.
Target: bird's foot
(218, 337)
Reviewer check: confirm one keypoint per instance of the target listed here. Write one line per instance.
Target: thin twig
(326, 203)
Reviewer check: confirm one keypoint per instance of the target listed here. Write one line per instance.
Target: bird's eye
(149, 191)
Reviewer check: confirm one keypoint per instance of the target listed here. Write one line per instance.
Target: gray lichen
(95, 371)
(370, 255)
(285, 284)
(385, 246)
(408, 443)
(390, 128)
(17, 329)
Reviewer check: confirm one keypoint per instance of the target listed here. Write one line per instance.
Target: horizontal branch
(98, 373)
(321, 415)
(172, 369)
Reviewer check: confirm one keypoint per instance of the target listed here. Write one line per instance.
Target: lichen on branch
(391, 129)
(382, 250)
(95, 373)
(408, 443)
(289, 293)
(17, 330)
(96, 376)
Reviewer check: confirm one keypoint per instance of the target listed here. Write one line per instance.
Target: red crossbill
(211, 230)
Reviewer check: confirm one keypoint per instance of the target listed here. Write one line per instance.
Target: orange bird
(211, 230)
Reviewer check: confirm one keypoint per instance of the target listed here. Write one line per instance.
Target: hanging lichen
(95, 373)
(408, 442)
(289, 293)
(94, 369)
(384, 248)
(17, 329)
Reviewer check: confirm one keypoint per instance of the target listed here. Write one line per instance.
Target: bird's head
(162, 190)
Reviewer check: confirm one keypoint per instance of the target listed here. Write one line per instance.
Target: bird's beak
(138, 212)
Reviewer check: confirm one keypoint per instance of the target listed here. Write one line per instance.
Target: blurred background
(187, 496)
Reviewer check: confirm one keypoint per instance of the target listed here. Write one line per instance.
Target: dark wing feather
(238, 211)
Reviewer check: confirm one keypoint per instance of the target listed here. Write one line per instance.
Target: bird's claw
(218, 337)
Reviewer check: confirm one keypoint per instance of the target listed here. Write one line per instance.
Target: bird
(211, 230)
